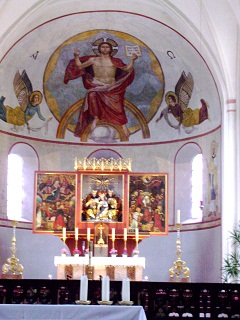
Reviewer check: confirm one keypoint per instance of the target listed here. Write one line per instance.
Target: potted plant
(113, 252)
(86, 252)
(135, 253)
(76, 252)
(125, 254)
(64, 252)
(231, 266)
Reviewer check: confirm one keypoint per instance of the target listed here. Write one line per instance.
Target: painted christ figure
(106, 79)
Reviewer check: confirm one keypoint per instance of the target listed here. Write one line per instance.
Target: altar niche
(103, 197)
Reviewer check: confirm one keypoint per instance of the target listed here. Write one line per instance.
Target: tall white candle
(113, 234)
(125, 234)
(64, 233)
(84, 288)
(76, 234)
(125, 289)
(136, 234)
(178, 217)
(88, 234)
(105, 288)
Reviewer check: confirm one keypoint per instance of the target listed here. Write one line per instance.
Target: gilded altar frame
(121, 199)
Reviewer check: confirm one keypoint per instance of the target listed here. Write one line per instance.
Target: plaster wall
(201, 252)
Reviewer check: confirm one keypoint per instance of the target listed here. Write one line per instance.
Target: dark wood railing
(160, 300)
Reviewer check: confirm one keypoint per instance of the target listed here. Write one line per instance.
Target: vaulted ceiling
(174, 37)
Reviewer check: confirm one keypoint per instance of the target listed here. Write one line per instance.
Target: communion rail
(160, 300)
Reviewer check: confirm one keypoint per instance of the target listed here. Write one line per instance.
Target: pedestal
(100, 250)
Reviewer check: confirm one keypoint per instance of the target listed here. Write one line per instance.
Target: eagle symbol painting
(29, 105)
(177, 105)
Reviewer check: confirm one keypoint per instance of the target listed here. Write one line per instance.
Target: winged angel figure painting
(29, 104)
(177, 105)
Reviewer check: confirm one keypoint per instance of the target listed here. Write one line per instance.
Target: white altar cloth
(100, 264)
(101, 261)
(73, 312)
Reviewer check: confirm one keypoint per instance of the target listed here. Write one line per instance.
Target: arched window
(197, 186)
(189, 182)
(22, 162)
(14, 187)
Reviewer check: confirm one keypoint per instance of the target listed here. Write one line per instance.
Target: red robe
(104, 102)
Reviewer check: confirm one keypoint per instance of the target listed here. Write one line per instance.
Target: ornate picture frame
(54, 202)
(147, 203)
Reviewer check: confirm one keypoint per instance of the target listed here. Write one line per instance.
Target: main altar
(100, 210)
(117, 268)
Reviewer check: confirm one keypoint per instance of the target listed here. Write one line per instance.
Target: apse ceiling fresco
(106, 78)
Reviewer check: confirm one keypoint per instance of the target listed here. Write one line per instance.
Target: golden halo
(113, 44)
(170, 93)
(36, 93)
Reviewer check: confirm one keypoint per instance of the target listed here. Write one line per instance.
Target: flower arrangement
(64, 251)
(135, 252)
(76, 251)
(125, 251)
(113, 251)
(86, 250)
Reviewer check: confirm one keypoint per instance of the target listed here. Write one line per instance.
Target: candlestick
(105, 288)
(88, 234)
(83, 253)
(113, 234)
(84, 288)
(125, 289)
(136, 235)
(75, 164)
(125, 234)
(76, 233)
(64, 233)
(12, 265)
(179, 269)
(84, 163)
(178, 217)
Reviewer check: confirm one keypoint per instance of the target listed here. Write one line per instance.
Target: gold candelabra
(179, 271)
(13, 266)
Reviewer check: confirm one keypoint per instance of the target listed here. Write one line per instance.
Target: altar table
(116, 267)
(73, 312)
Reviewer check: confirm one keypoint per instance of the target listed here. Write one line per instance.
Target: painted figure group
(102, 205)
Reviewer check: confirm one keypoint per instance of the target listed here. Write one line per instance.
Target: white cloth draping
(73, 312)
(100, 265)
(101, 261)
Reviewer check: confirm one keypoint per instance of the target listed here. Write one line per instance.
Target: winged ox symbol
(177, 105)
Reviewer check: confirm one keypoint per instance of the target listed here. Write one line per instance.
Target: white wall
(201, 252)
(35, 252)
